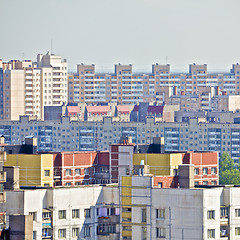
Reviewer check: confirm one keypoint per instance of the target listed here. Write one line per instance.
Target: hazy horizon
(140, 32)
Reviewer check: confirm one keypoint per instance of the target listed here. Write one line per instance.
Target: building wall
(160, 164)
(66, 135)
(32, 168)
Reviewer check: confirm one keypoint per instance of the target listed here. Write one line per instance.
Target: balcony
(102, 175)
(109, 219)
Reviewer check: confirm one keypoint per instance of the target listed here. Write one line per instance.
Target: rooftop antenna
(23, 56)
(166, 60)
(51, 46)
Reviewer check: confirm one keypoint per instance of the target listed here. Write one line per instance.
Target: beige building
(28, 86)
(193, 90)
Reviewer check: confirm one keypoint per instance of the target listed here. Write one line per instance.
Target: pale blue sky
(140, 32)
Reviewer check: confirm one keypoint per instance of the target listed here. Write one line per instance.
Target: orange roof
(98, 109)
(123, 108)
(73, 109)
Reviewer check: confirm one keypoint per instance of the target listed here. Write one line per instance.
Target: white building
(137, 211)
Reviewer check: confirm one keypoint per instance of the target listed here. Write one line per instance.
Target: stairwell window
(75, 232)
(237, 212)
(211, 214)
(160, 213)
(62, 233)
(62, 214)
(144, 215)
(46, 173)
(160, 232)
(237, 231)
(211, 233)
(75, 213)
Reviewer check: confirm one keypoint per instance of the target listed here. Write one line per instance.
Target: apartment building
(154, 213)
(81, 168)
(164, 167)
(2, 192)
(133, 210)
(27, 86)
(54, 79)
(161, 86)
(66, 135)
(87, 212)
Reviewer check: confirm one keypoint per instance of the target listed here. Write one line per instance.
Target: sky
(138, 32)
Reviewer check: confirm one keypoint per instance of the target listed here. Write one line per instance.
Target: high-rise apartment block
(124, 86)
(27, 86)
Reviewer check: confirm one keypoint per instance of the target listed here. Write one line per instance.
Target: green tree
(228, 174)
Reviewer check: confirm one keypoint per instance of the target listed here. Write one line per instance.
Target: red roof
(73, 109)
(155, 109)
(98, 109)
(123, 109)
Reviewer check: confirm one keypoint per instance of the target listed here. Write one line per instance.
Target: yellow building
(160, 164)
(34, 170)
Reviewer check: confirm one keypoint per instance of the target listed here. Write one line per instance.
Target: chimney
(186, 175)
(31, 141)
(217, 91)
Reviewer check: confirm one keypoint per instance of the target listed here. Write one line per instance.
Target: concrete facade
(66, 135)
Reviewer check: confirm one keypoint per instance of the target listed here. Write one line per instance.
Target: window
(224, 212)
(127, 228)
(46, 232)
(160, 213)
(213, 170)
(144, 233)
(126, 209)
(214, 182)
(87, 212)
(68, 184)
(196, 171)
(86, 171)
(144, 214)
(211, 214)
(68, 172)
(211, 233)
(75, 232)
(160, 232)
(78, 171)
(86, 231)
(46, 173)
(62, 214)
(75, 213)
(237, 231)
(205, 182)
(34, 214)
(237, 212)
(46, 215)
(62, 233)
(34, 235)
(205, 171)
